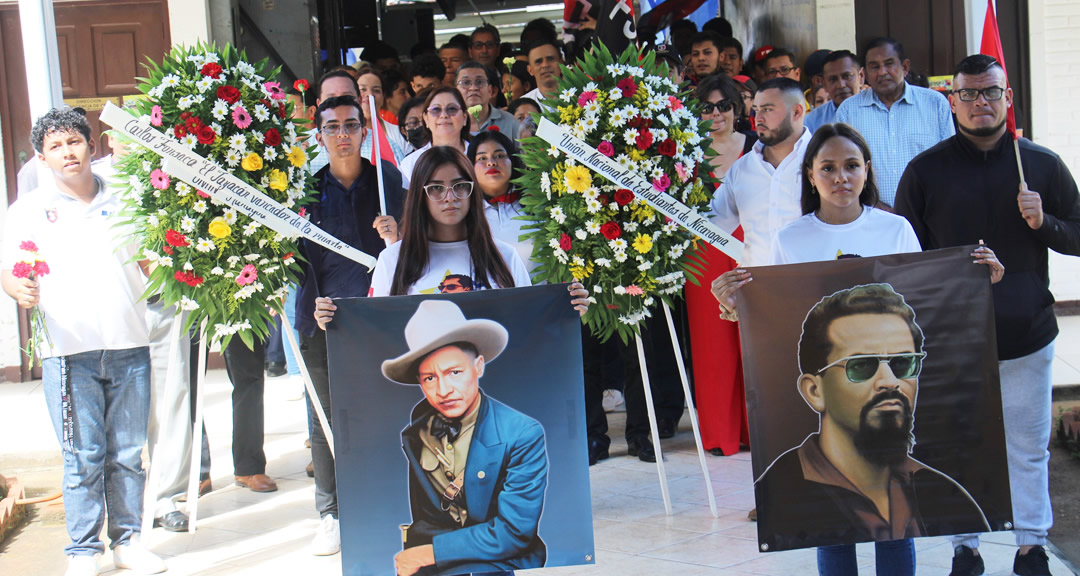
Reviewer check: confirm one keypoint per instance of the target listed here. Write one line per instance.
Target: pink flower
(247, 275)
(28, 246)
(155, 115)
(606, 149)
(585, 98)
(681, 171)
(675, 103)
(302, 213)
(274, 88)
(634, 290)
(202, 194)
(159, 179)
(662, 183)
(241, 118)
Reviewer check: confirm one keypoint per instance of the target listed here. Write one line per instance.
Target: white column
(189, 21)
(41, 56)
(836, 25)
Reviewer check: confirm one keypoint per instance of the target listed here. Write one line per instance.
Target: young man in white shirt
(96, 369)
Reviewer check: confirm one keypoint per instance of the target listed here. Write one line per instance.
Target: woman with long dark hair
(447, 123)
(840, 218)
(496, 163)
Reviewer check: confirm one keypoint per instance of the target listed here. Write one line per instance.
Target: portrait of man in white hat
(478, 469)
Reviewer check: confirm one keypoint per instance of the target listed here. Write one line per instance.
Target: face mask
(416, 136)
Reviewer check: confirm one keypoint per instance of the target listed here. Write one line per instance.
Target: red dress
(716, 354)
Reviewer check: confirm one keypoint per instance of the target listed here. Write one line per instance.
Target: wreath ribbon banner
(222, 186)
(678, 212)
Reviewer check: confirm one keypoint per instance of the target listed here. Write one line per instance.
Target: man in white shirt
(762, 190)
(545, 64)
(96, 364)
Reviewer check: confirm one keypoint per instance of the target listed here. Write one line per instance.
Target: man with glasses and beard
(968, 188)
(854, 480)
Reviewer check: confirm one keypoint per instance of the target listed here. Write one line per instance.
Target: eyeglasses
(439, 192)
(451, 111)
(991, 93)
(721, 106)
(467, 84)
(776, 72)
(496, 157)
(479, 45)
(333, 129)
(412, 124)
(862, 367)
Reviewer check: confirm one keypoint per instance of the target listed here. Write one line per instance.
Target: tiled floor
(242, 533)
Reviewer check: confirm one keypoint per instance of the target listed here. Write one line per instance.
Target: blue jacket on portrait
(505, 483)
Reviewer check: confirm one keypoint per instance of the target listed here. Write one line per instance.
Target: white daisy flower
(232, 260)
(187, 224)
(250, 228)
(165, 261)
(189, 141)
(232, 157)
(579, 261)
(251, 257)
(558, 215)
(204, 84)
(188, 266)
(568, 94)
(170, 80)
(230, 216)
(630, 136)
(581, 234)
(620, 257)
(592, 226)
(617, 245)
(644, 266)
(553, 243)
(153, 220)
(270, 154)
(603, 262)
(261, 112)
(204, 245)
(593, 206)
(615, 94)
(617, 118)
(199, 206)
(630, 226)
(619, 290)
(217, 271)
(188, 304)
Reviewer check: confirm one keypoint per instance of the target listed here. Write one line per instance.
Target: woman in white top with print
(446, 244)
(495, 159)
(840, 221)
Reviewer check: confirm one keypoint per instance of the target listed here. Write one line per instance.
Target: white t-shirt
(409, 163)
(874, 233)
(450, 266)
(92, 295)
(502, 219)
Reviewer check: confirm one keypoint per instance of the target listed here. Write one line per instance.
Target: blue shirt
(916, 122)
(346, 214)
(820, 116)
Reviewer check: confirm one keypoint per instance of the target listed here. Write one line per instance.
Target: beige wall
(189, 21)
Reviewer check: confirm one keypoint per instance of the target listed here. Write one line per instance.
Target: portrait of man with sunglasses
(854, 480)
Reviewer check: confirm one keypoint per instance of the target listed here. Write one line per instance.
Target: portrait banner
(459, 431)
(875, 403)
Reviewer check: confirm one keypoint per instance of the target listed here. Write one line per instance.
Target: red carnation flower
(206, 135)
(666, 148)
(628, 86)
(193, 124)
(185, 115)
(565, 242)
(228, 94)
(180, 131)
(167, 249)
(174, 238)
(22, 270)
(639, 122)
(211, 69)
(28, 246)
(290, 254)
(301, 85)
(611, 230)
(644, 139)
(623, 197)
(194, 280)
(272, 137)
(40, 268)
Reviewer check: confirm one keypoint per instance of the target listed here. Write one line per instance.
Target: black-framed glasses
(412, 124)
(862, 367)
(489, 45)
(991, 93)
(720, 107)
(460, 190)
(777, 72)
(450, 111)
(478, 83)
(333, 129)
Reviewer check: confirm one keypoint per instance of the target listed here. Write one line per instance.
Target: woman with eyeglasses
(411, 122)
(446, 123)
(718, 380)
(446, 244)
(496, 164)
(841, 220)
(370, 82)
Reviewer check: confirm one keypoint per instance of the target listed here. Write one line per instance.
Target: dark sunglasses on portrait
(862, 367)
(721, 106)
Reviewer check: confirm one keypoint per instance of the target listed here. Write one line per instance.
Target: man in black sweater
(967, 189)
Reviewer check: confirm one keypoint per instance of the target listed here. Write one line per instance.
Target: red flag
(385, 151)
(991, 46)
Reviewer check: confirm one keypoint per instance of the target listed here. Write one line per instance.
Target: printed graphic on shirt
(50, 214)
(452, 284)
(841, 256)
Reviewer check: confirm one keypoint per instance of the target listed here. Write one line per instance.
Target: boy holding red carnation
(96, 369)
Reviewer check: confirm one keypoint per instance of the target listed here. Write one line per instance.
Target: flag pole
(376, 157)
(1019, 165)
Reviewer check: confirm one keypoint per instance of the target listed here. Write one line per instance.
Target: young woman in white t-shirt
(840, 221)
(446, 243)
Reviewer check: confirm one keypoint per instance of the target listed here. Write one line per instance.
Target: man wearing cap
(477, 467)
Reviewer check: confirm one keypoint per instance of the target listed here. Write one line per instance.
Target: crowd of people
(843, 156)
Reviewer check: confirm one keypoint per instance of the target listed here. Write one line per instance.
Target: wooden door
(102, 46)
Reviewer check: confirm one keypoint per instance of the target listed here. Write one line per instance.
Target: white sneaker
(134, 557)
(82, 566)
(327, 539)
(612, 400)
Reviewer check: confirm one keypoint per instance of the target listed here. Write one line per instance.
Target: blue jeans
(893, 558)
(99, 404)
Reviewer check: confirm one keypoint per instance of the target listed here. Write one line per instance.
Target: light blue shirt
(917, 121)
(820, 116)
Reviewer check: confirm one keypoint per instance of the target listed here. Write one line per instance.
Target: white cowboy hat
(438, 323)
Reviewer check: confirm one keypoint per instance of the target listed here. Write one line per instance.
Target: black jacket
(955, 194)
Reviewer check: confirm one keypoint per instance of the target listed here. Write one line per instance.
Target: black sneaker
(966, 563)
(1034, 563)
